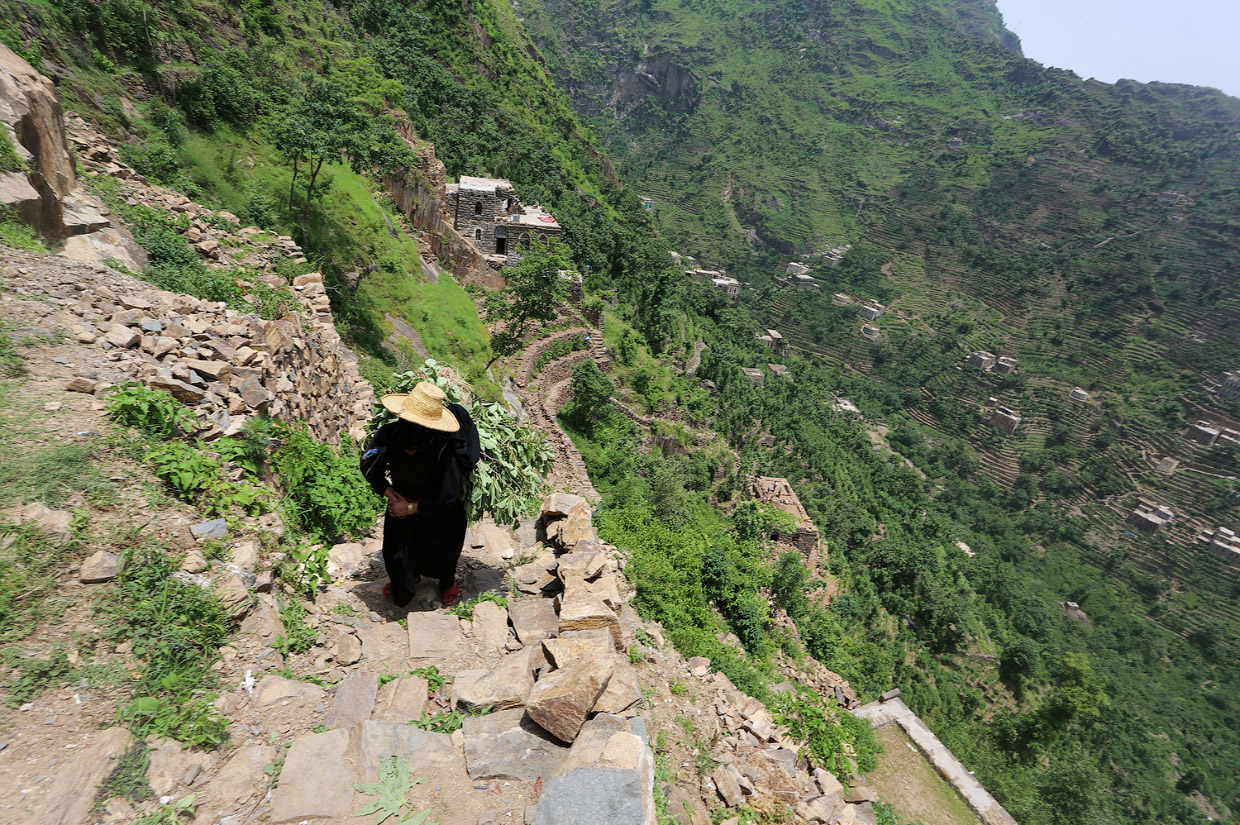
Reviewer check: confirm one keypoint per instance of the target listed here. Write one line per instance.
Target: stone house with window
(488, 213)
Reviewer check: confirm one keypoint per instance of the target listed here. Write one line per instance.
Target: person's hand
(398, 505)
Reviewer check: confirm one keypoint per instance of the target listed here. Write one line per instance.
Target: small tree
(591, 393)
(323, 124)
(534, 291)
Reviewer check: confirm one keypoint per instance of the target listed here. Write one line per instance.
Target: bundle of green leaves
(509, 480)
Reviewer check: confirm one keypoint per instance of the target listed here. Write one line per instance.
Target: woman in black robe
(412, 462)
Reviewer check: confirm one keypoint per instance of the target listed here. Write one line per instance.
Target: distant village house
(871, 310)
(755, 376)
(1005, 420)
(1150, 516)
(872, 332)
(1222, 542)
(981, 359)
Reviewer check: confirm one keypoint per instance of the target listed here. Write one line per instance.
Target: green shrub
(328, 494)
(10, 161)
(223, 92)
(17, 235)
(155, 412)
(176, 629)
(11, 363)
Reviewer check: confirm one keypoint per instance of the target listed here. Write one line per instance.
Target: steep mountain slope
(771, 131)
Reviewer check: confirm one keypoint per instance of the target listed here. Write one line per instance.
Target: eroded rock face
(45, 195)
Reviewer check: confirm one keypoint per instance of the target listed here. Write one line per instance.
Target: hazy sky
(1176, 41)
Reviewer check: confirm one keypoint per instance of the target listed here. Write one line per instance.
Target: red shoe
(387, 590)
(450, 596)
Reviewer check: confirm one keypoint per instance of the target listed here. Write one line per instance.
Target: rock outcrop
(45, 193)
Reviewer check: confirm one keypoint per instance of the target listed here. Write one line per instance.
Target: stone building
(728, 286)
(1079, 395)
(1004, 365)
(1202, 431)
(1150, 516)
(841, 299)
(780, 370)
(871, 310)
(794, 269)
(981, 359)
(773, 341)
(778, 493)
(845, 407)
(1230, 388)
(804, 282)
(1005, 420)
(755, 376)
(872, 332)
(488, 213)
(1222, 542)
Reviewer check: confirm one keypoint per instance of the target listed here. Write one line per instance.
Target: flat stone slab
(355, 699)
(508, 745)
(316, 781)
(425, 751)
(434, 635)
(272, 689)
(214, 529)
(401, 700)
(593, 796)
(533, 619)
(73, 791)
(501, 687)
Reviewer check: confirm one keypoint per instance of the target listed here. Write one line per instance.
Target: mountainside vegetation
(1088, 230)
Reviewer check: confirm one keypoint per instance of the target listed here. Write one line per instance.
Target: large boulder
(562, 699)
(49, 199)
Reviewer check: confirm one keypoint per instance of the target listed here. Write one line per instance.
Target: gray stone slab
(214, 529)
(316, 781)
(425, 751)
(533, 619)
(508, 745)
(433, 635)
(592, 796)
(355, 699)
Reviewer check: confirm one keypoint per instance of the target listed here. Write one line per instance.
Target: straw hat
(424, 406)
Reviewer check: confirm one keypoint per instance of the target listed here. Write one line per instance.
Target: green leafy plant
(445, 721)
(298, 637)
(465, 609)
(392, 791)
(434, 679)
(17, 235)
(36, 675)
(176, 630)
(128, 779)
(327, 494)
(170, 814)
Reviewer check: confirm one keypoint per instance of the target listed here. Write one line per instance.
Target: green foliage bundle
(509, 479)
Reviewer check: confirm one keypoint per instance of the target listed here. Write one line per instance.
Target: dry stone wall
(228, 365)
